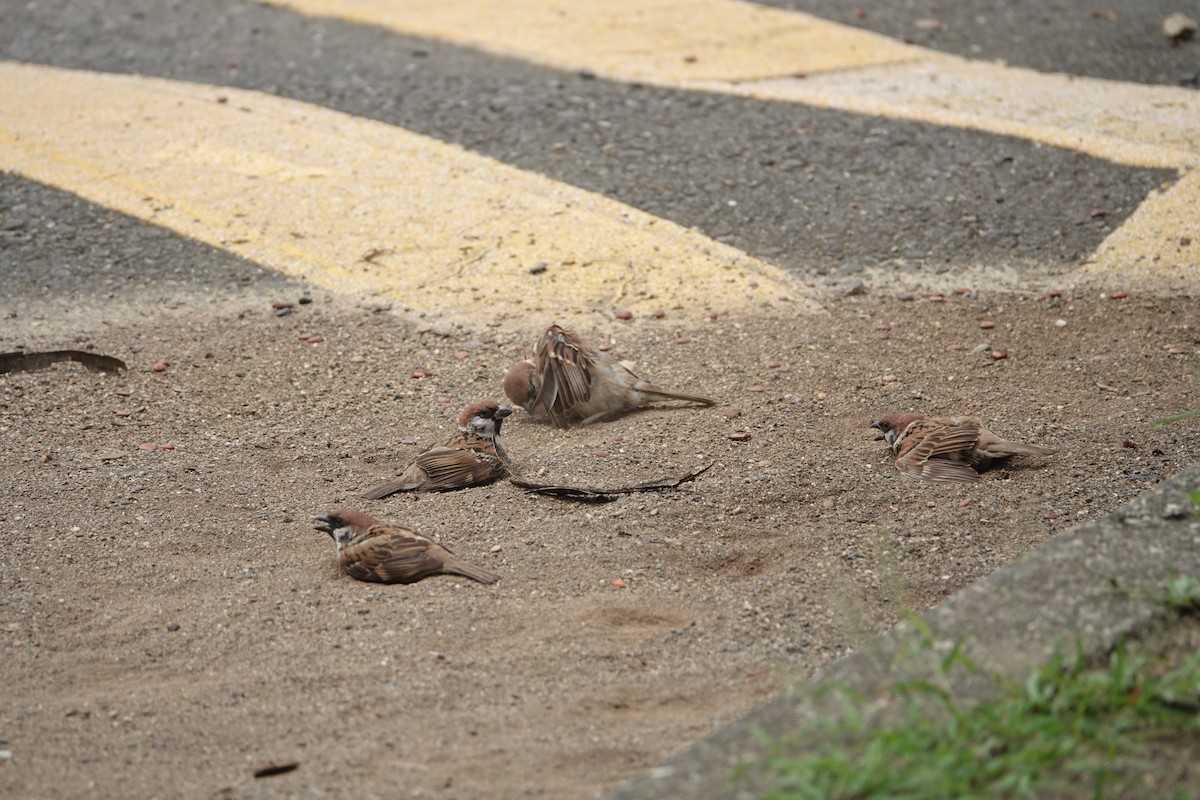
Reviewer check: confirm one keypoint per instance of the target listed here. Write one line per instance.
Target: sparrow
(572, 383)
(947, 449)
(371, 550)
(474, 456)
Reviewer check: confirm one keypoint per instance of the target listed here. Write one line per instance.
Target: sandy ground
(170, 622)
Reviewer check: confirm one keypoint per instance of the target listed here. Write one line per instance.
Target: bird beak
(328, 527)
(502, 412)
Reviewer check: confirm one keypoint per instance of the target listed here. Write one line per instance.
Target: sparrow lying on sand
(473, 456)
(371, 550)
(947, 449)
(573, 383)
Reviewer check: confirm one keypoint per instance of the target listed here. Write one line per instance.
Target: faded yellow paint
(732, 47)
(360, 206)
(663, 41)
(1126, 123)
(1159, 243)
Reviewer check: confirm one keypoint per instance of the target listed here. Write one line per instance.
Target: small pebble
(1050, 515)
(987, 325)
(1054, 293)
(1061, 323)
(161, 365)
(966, 501)
(304, 299)
(316, 338)
(740, 436)
(624, 313)
(1118, 295)
(998, 354)
(774, 363)
(883, 326)
(683, 340)
(167, 446)
(890, 379)
(756, 388)
(733, 413)
(461, 354)
(712, 315)
(937, 297)
(147, 446)
(904, 297)
(1129, 443)
(658, 313)
(420, 373)
(282, 305)
(618, 583)
(1176, 350)
(441, 399)
(538, 268)
(963, 290)
(174, 626)
(357, 360)
(496, 548)
(283, 312)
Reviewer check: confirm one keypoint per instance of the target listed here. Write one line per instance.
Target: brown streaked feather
(938, 470)
(565, 366)
(453, 468)
(391, 554)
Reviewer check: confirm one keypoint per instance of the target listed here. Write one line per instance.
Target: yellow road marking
(360, 206)
(664, 41)
(739, 48)
(1160, 242)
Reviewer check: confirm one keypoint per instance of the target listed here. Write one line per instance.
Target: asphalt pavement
(810, 189)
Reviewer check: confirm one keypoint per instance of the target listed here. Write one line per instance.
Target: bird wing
(564, 366)
(390, 556)
(457, 467)
(935, 451)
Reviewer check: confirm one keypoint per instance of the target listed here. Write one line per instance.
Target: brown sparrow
(947, 449)
(371, 550)
(570, 382)
(473, 456)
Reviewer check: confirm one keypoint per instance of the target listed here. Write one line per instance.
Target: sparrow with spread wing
(573, 383)
(370, 550)
(474, 456)
(947, 449)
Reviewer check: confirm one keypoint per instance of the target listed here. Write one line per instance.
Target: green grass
(1072, 729)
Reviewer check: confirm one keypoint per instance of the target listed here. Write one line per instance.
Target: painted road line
(742, 49)
(360, 206)
(661, 41)
(745, 49)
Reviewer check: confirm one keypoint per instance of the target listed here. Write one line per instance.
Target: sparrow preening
(371, 550)
(947, 449)
(473, 456)
(573, 383)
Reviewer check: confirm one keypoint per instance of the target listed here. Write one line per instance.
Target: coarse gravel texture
(811, 190)
(169, 618)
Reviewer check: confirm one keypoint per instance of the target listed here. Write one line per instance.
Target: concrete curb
(1091, 585)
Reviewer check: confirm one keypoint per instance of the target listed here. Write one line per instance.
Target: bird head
(521, 383)
(891, 426)
(344, 524)
(483, 418)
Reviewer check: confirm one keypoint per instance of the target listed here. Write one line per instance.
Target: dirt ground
(170, 622)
